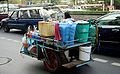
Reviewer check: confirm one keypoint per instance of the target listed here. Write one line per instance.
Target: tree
(74, 2)
(89, 1)
(13, 1)
(117, 4)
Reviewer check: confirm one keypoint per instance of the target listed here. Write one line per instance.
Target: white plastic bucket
(84, 53)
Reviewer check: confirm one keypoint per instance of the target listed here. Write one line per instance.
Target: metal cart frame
(52, 53)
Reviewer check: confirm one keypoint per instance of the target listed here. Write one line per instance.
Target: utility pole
(103, 6)
(111, 2)
(8, 6)
(49, 1)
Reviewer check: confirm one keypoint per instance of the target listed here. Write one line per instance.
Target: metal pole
(111, 2)
(103, 6)
(8, 6)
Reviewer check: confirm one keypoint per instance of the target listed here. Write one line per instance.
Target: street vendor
(67, 17)
(74, 54)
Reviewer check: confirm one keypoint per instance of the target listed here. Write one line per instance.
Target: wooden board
(74, 63)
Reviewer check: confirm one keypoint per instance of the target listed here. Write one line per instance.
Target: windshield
(53, 12)
(56, 9)
(112, 19)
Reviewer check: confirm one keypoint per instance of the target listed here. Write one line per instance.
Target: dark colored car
(21, 19)
(109, 33)
(24, 17)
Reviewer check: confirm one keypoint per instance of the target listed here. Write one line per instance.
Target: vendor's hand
(50, 20)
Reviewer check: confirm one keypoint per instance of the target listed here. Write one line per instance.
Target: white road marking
(115, 64)
(4, 38)
(9, 39)
(16, 41)
(100, 60)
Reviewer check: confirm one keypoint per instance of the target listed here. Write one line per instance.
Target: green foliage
(88, 12)
(90, 1)
(14, 1)
(73, 1)
(117, 4)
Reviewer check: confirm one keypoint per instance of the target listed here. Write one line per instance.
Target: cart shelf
(49, 43)
(76, 63)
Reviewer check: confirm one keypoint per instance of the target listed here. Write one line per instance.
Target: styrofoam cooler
(67, 31)
(46, 28)
(84, 53)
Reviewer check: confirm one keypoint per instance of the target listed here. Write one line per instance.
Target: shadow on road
(39, 68)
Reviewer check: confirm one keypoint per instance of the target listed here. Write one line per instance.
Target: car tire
(6, 28)
(0, 26)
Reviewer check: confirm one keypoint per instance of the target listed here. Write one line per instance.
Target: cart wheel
(54, 63)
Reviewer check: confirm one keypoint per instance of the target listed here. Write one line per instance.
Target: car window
(110, 17)
(54, 12)
(114, 22)
(34, 13)
(55, 9)
(14, 14)
(24, 14)
(110, 20)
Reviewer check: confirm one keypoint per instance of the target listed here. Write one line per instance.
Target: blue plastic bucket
(67, 31)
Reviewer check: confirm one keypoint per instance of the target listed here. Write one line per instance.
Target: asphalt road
(10, 44)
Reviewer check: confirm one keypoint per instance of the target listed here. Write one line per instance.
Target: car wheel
(0, 26)
(6, 28)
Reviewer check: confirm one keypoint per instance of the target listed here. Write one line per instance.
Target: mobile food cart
(55, 53)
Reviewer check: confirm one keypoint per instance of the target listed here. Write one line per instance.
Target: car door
(23, 19)
(109, 32)
(13, 20)
(30, 17)
(19, 19)
(35, 17)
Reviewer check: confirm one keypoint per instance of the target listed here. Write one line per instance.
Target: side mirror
(92, 21)
(9, 16)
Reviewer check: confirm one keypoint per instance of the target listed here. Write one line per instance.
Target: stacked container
(82, 31)
(67, 31)
(46, 28)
